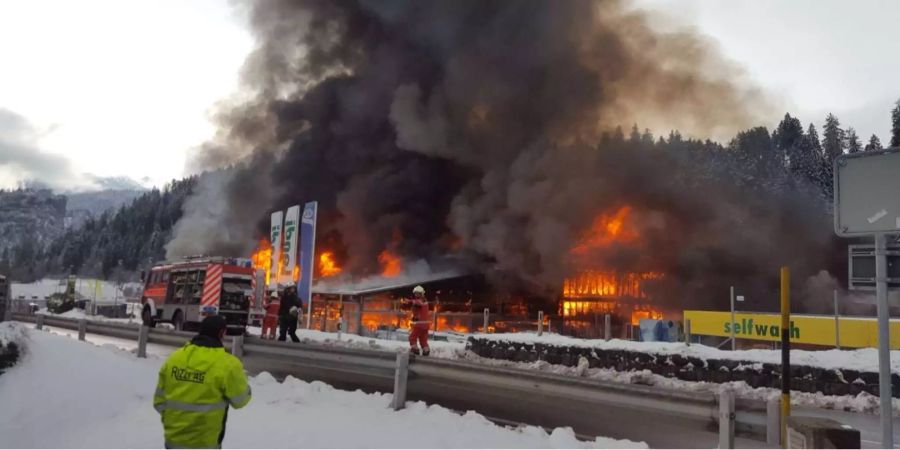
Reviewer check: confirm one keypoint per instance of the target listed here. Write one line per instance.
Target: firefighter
(270, 321)
(196, 386)
(289, 314)
(418, 330)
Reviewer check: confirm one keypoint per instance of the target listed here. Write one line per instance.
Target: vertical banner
(289, 249)
(307, 256)
(275, 240)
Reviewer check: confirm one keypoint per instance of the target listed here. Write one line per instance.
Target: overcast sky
(124, 88)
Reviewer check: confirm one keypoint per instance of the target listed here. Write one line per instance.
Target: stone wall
(755, 374)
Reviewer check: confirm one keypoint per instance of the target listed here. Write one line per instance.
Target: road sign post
(866, 204)
(785, 352)
(884, 354)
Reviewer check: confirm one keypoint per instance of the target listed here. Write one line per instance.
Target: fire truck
(184, 292)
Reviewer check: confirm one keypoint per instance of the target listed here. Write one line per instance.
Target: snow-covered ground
(71, 394)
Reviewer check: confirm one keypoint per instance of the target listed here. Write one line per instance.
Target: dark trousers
(287, 326)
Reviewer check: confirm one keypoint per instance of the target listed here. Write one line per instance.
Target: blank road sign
(867, 193)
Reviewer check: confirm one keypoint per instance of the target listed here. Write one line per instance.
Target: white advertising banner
(275, 239)
(289, 248)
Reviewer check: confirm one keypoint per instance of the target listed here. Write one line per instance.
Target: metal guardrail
(590, 407)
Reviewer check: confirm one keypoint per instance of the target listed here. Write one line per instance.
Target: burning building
(486, 132)
(596, 287)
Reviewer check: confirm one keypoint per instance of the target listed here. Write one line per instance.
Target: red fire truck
(184, 292)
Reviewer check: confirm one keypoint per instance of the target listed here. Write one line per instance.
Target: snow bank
(864, 359)
(71, 394)
(9, 346)
(444, 349)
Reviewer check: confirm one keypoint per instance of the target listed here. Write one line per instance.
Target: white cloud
(819, 55)
(128, 83)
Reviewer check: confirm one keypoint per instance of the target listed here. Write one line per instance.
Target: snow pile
(864, 359)
(105, 400)
(10, 352)
(445, 349)
(415, 272)
(80, 314)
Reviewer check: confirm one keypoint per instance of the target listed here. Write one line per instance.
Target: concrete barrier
(820, 432)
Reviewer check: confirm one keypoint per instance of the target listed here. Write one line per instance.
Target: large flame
(262, 258)
(327, 265)
(606, 229)
(596, 290)
(591, 283)
(391, 265)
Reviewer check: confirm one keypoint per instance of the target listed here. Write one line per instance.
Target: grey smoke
(212, 224)
(476, 127)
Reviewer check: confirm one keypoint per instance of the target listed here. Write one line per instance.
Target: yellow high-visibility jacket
(196, 385)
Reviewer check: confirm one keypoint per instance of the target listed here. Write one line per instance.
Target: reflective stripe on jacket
(196, 385)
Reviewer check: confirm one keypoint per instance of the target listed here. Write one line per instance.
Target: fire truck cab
(184, 292)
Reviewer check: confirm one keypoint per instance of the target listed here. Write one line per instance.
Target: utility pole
(733, 342)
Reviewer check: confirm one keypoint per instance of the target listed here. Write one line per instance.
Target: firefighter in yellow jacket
(196, 386)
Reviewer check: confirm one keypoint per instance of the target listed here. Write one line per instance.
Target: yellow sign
(855, 332)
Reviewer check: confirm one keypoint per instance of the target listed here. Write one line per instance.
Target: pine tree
(807, 164)
(833, 144)
(647, 137)
(813, 139)
(757, 159)
(635, 136)
(853, 144)
(618, 134)
(787, 139)
(895, 125)
(874, 144)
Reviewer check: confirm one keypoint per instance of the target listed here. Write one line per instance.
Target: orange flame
(327, 265)
(262, 257)
(390, 264)
(606, 229)
(590, 283)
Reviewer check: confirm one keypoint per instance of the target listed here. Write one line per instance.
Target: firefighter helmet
(419, 290)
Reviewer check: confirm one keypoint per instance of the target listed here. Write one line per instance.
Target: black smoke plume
(477, 128)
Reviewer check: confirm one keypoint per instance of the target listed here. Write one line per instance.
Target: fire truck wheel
(178, 321)
(147, 317)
